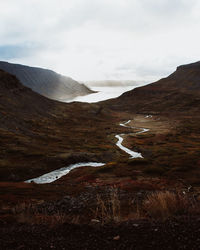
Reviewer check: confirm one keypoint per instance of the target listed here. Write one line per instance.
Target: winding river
(132, 154)
(56, 174)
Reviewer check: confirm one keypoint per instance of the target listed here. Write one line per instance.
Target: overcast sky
(101, 39)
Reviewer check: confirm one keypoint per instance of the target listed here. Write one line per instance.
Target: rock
(95, 221)
(116, 237)
(67, 197)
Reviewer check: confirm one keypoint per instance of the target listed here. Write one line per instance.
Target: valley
(39, 136)
(99, 125)
(56, 174)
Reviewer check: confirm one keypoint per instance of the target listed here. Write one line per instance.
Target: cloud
(9, 52)
(101, 39)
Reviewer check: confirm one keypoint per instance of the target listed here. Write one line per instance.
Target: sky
(140, 40)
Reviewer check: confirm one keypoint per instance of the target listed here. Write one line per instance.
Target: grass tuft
(163, 205)
(108, 210)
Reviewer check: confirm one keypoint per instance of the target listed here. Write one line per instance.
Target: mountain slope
(39, 135)
(179, 92)
(46, 82)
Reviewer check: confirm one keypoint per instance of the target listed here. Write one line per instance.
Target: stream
(132, 154)
(56, 174)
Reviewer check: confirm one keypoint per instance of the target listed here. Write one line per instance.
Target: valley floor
(108, 207)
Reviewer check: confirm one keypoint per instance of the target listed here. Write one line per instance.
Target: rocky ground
(176, 234)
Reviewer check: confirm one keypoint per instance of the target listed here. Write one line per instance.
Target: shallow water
(56, 174)
(133, 154)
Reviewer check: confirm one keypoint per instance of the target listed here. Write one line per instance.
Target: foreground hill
(46, 82)
(179, 92)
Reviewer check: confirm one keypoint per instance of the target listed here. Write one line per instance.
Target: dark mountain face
(35, 131)
(179, 92)
(18, 103)
(20, 107)
(46, 82)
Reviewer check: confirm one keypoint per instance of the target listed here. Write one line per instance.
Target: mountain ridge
(179, 92)
(46, 82)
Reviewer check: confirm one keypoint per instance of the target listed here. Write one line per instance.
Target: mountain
(46, 82)
(19, 105)
(39, 135)
(21, 109)
(179, 92)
